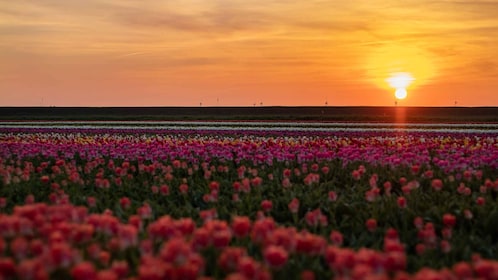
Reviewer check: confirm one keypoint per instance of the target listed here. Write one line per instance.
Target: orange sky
(240, 53)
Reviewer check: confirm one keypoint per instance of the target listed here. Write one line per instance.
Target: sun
(400, 93)
(400, 81)
(399, 66)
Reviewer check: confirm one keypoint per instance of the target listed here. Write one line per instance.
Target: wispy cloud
(227, 42)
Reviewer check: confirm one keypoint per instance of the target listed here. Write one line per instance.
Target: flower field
(235, 201)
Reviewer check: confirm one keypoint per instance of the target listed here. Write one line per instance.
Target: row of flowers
(186, 206)
(271, 127)
(451, 152)
(41, 241)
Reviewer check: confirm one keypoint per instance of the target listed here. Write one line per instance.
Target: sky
(247, 53)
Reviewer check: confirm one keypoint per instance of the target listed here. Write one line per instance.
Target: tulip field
(248, 200)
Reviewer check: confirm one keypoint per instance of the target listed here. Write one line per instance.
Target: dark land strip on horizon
(270, 113)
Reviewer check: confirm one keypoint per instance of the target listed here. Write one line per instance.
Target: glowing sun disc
(400, 93)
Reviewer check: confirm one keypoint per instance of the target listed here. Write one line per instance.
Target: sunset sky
(240, 53)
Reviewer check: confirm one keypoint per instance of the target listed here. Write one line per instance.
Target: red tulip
(294, 205)
(371, 224)
(275, 256)
(241, 226)
(83, 271)
(401, 202)
(449, 220)
(266, 205)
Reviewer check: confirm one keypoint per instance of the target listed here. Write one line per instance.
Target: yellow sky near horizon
(240, 53)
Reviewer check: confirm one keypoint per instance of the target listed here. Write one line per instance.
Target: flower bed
(166, 204)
